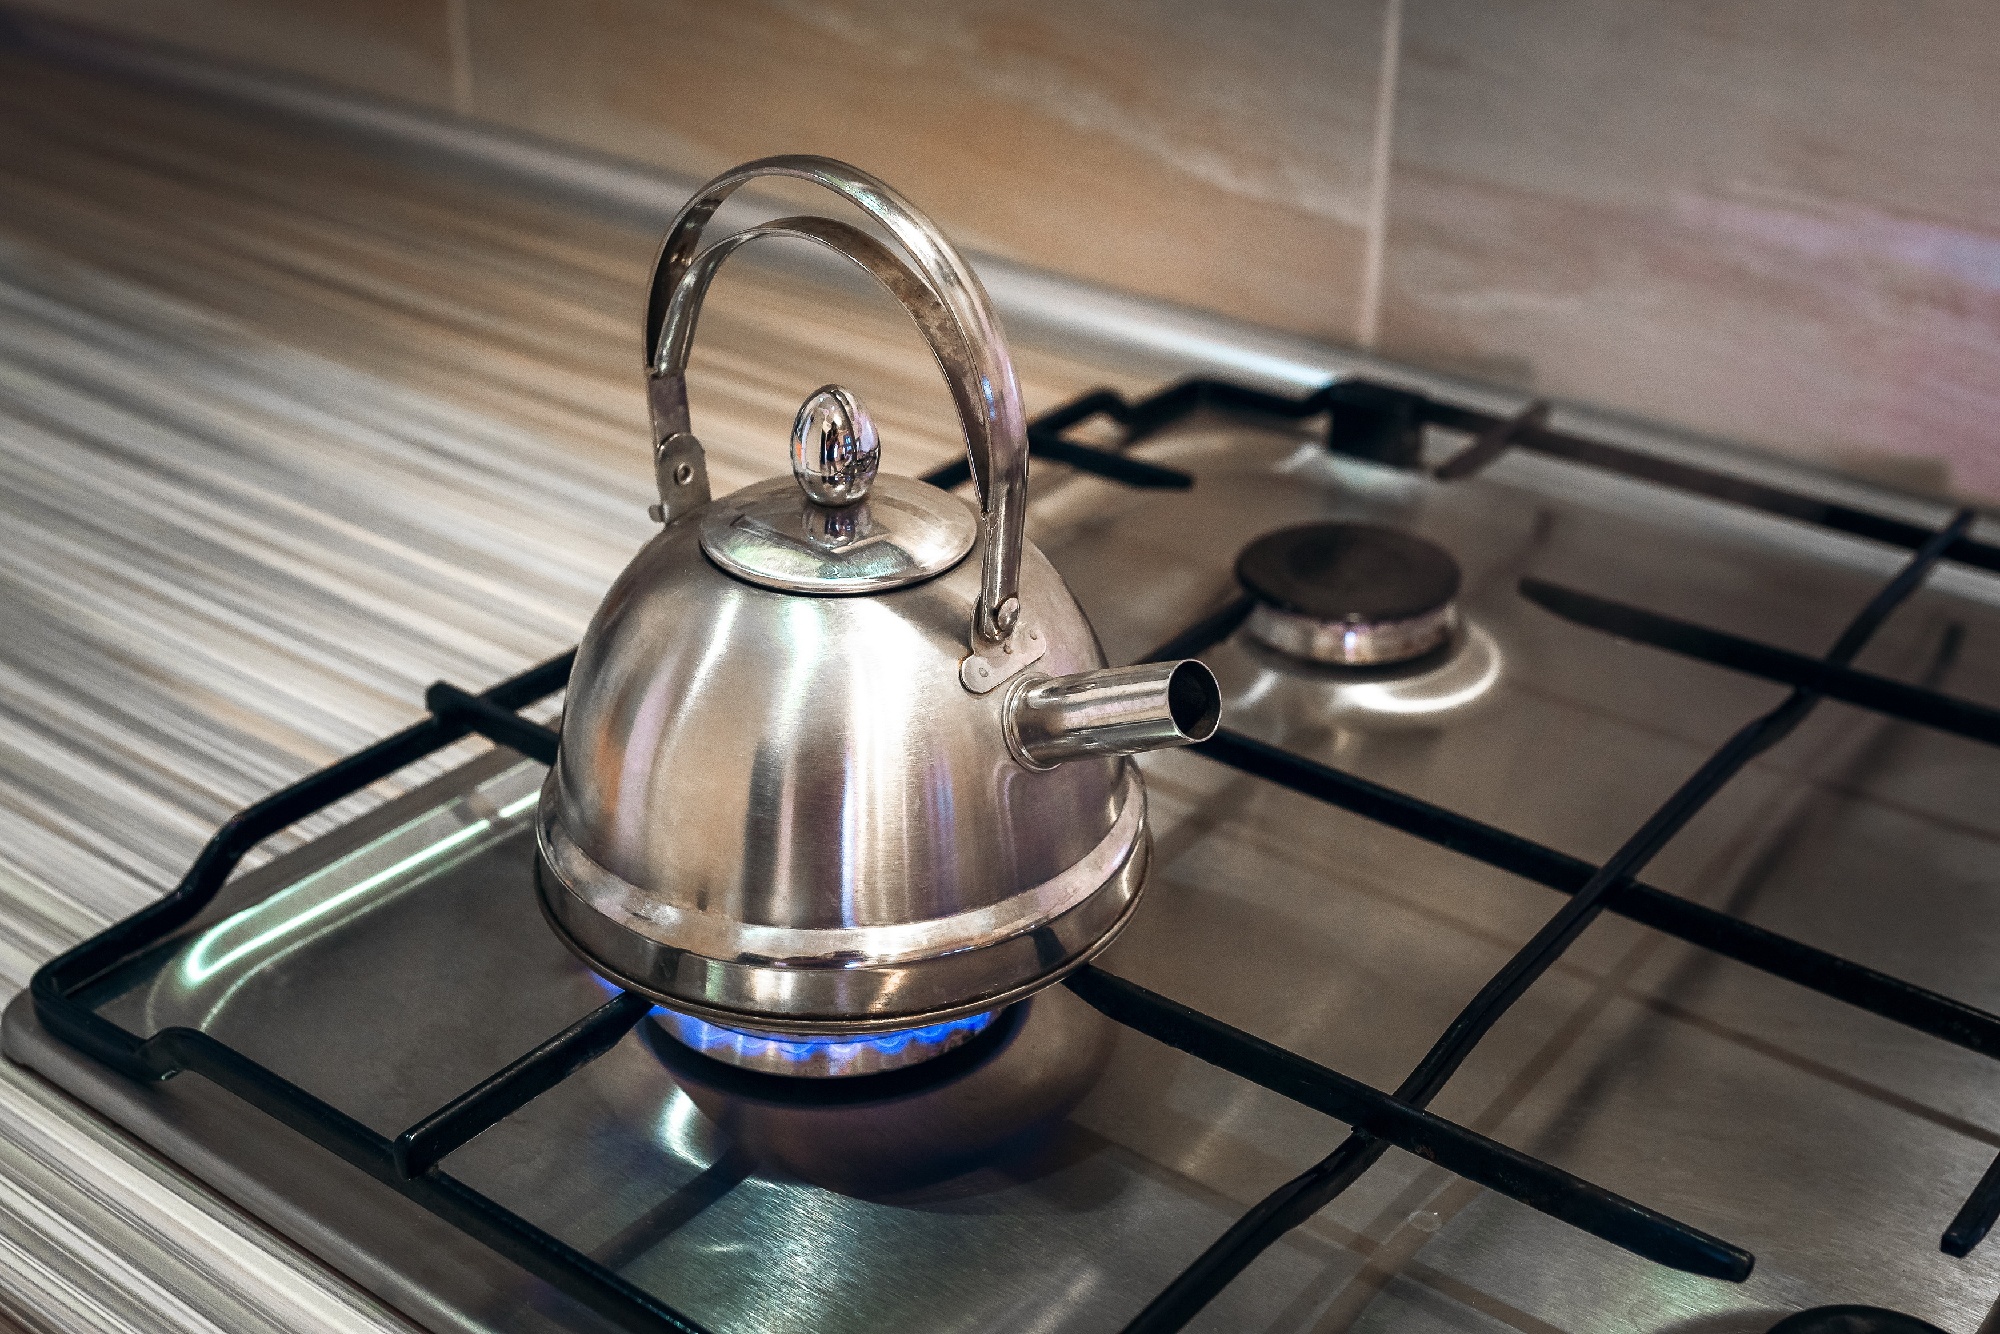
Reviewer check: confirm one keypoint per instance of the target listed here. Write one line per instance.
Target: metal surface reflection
(1274, 694)
(988, 1101)
(216, 962)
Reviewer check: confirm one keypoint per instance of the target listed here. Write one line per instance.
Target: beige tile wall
(1214, 154)
(1777, 221)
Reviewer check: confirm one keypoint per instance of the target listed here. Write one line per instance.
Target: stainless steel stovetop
(396, 962)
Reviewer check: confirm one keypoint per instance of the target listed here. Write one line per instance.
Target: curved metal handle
(935, 285)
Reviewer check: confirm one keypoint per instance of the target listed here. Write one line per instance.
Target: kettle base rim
(1075, 937)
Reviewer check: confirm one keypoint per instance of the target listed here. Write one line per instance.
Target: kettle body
(841, 754)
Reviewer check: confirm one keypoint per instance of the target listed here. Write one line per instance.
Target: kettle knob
(835, 450)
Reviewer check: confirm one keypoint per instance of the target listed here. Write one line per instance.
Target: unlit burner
(1354, 594)
(821, 1056)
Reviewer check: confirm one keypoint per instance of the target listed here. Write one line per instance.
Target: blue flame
(821, 1054)
(804, 1049)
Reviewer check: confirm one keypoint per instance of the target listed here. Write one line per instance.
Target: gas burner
(816, 1056)
(1852, 1320)
(1351, 594)
(991, 1097)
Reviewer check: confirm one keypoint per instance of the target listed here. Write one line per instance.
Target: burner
(1852, 1320)
(822, 1056)
(993, 1097)
(1349, 593)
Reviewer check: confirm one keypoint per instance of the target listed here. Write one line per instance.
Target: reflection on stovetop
(408, 971)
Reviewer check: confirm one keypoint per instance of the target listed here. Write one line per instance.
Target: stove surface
(396, 962)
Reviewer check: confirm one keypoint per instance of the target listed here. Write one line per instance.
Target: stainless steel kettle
(840, 755)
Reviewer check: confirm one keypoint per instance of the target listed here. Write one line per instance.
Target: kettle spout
(1112, 711)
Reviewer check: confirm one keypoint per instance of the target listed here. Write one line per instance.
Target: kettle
(840, 753)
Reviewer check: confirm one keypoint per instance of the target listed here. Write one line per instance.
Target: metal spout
(1112, 711)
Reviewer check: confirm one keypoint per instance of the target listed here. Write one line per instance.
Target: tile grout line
(1368, 330)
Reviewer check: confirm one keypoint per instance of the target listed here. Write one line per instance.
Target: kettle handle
(940, 291)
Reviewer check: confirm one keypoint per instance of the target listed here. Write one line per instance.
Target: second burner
(1352, 594)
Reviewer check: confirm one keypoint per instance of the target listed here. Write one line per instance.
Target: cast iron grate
(1368, 420)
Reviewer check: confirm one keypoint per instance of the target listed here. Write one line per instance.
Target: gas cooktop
(1732, 1067)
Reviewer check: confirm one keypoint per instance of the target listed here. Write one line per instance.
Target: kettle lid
(840, 529)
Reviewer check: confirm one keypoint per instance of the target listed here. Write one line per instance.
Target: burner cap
(1852, 1320)
(1350, 593)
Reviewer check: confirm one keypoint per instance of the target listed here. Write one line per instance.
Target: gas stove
(1352, 1066)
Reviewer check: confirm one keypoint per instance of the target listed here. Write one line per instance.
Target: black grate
(1368, 420)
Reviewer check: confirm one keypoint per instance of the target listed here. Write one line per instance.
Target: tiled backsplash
(1777, 222)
